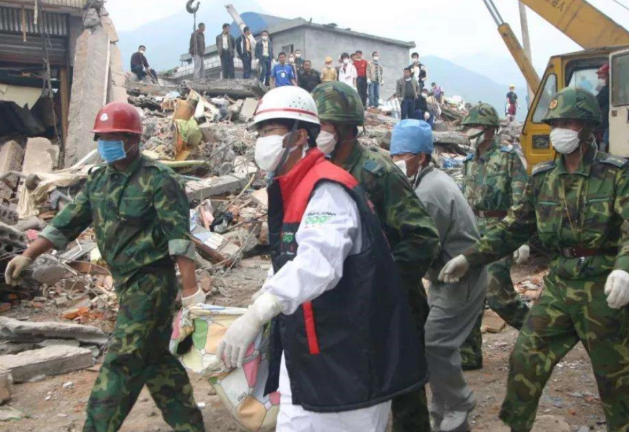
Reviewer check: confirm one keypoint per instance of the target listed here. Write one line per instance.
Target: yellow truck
(603, 40)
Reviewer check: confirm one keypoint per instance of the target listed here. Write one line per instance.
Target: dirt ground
(571, 393)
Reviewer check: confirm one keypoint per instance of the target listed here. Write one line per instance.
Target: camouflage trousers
(502, 299)
(568, 312)
(410, 411)
(138, 355)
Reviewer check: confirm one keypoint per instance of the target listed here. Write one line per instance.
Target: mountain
(472, 86)
(168, 38)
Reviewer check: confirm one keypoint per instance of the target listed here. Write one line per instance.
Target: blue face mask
(111, 151)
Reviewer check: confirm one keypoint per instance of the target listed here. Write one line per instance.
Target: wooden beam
(64, 89)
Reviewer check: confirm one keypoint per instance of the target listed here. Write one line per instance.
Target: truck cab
(579, 70)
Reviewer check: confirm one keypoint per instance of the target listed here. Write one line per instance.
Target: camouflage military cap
(339, 103)
(482, 114)
(573, 104)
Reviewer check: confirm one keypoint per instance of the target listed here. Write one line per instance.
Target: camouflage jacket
(493, 182)
(140, 216)
(408, 226)
(584, 209)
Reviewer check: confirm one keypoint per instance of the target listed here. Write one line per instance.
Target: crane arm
(581, 22)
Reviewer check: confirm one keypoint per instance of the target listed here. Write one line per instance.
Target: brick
(11, 157)
(6, 385)
(492, 323)
(215, 186)
(40, 156)
(54, 360)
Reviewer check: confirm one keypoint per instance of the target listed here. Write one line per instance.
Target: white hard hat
(288, 102)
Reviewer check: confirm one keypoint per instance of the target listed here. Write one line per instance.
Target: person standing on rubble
(309, 78)
(299, 62)
(245, 51)
(577, 204)
(343, 345)
(329, 73)
(264, 54)
(197, 51)
(375, 79)
(140, 65)
(140, 214)
(407, 93)
(361, 76)
(453, 307)
(494, 180)
(226, 47)
(283, 74)
(512, 103)
(408, 227)
(347, 72)
(418, 71)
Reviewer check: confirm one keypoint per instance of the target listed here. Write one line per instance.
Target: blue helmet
(412, 136)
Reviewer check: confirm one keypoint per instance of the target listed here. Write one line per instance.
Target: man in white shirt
(343, 344)
(347, 72)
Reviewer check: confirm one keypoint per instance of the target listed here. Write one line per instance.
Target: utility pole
(524, 23)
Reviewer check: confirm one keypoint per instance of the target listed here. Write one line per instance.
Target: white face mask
(142, 51)
(265, 38)
(424, 95)
(415, 61)
(297, 55)
(407, 79)
(268, 152)
(565, 141)
(328, 65)
(376, 58)
(602, 82)
(291, 60)
(402, 166)
(345, 61)
(326, 142)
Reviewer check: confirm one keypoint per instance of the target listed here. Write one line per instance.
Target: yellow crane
(605, 42)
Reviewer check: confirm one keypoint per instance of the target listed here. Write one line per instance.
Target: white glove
(522, 254)
(617, 289)
(426, 116)
(243, 332)
(197, 297)
(15, 268)
(454, 269)
(257, 294)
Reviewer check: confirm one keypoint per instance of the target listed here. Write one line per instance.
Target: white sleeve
(328, 233)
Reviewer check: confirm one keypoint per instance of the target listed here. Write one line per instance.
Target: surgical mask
(268, 152)
(265, 38)
(345, 61)
(297, 55)
(376, 58)
(601, 82)
(326, 142)
(291, 60)
(111, 151)
(407, 79)
(402, 166)
(564, 141)
(424, 95)
(415, 61)
(142, 51)
(328, 65)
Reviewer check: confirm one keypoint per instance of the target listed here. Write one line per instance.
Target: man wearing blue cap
(454, 308)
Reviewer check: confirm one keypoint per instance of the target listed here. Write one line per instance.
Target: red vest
(354, 346)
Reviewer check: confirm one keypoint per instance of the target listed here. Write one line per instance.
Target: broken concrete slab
(110, 28)
(11, 157)
(54, 360)
(234, 88)
(248, 109)
(19, 331)
(116, 91)
(215, 186)
(89, 92)
(261, 197)
(207, 131)
(40, 156)
(6, 385)
(8, 215)
(214, 246)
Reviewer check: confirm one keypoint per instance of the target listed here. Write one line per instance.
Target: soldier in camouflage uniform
(494, 179)
(577, 204)
(140, 214)
(409, 228)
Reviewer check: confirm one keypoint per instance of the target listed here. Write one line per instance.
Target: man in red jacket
(361, 81)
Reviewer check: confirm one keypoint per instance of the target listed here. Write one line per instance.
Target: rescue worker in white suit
(454, 308)
(342, 343)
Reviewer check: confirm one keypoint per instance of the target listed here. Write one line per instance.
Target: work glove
(15, 268)
(426, 116)
(522, 254)
(243, 332)
(617, 289)
(197, 297)
(454, 269)
(257, 294)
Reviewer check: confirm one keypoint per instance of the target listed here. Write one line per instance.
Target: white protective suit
(329, 232)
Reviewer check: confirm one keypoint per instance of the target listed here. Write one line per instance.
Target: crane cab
(579, 70)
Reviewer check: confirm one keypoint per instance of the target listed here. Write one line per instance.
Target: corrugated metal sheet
(14, 49)
(75, 4)
(54, 24)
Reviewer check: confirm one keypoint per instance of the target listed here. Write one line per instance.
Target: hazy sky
(447, 28)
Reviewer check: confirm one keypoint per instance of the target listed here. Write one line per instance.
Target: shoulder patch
(616, 161)
(506, 149)
(543, 167)
(374, 168)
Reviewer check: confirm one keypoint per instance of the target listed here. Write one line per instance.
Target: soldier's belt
(578, 252)
(491, 214)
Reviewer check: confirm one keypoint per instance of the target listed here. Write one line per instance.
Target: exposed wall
(320, 43)
(295, 37)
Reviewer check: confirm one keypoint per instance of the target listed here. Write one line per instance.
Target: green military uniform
(141, 220)
(579, 216)
(409, 228)
(492, 183)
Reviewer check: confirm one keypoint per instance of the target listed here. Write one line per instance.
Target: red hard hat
(604, 70)
(118, 117)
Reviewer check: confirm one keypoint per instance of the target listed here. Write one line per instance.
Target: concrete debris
(9, 413)
(234, 88)
(55, 360)
(6, 385)
(8, 215)
(492, 323)
(41, 156)
(18, 331)
(11, 157)
(91, 19)
(552, 423)
(200, 190)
